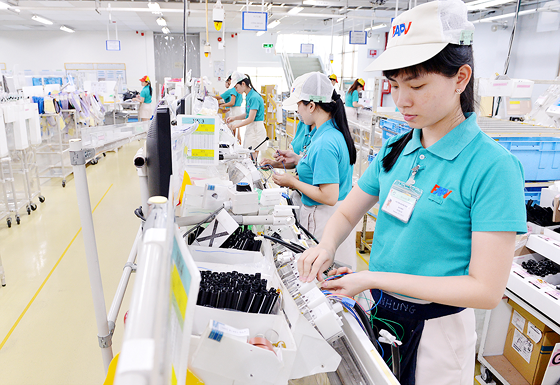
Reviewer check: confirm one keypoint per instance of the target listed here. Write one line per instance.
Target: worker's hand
(313, 262)
(234, 124)
(287, 156)
(229, 119)
(270, 162)
(350, 284)
(285, 180)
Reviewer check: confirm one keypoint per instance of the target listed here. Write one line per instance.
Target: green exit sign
(268, 45)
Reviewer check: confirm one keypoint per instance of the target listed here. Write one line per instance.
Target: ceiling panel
(313, 19)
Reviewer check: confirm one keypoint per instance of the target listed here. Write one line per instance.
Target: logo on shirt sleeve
(441, 191)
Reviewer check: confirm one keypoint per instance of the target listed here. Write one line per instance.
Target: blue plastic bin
(540, 157)
(391, 128)
(533, 193)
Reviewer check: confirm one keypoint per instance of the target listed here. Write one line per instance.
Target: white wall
(228, 56)
(49, 50)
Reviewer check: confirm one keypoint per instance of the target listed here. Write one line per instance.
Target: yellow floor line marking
(357, 253)
(47, 278)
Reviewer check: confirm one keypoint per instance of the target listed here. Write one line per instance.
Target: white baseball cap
(424, 31)
(236, 77)
(312, 86)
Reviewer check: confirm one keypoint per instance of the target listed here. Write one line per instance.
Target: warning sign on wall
(371, 53)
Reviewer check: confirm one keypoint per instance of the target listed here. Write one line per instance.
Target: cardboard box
(529, 343)
(369, 238)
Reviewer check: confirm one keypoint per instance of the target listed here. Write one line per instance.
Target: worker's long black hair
(446, 63)
(150, 86)
(247, 82)
(338, 116)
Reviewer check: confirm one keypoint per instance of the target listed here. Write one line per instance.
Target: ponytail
(338, 115)
(150, 86)
(247, 82)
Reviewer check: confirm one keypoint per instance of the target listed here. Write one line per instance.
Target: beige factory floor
(48, 333)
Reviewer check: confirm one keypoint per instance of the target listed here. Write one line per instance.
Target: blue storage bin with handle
(540, 157)
(392, 128)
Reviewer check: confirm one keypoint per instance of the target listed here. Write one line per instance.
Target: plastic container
(391, 128)
(533, 193)
(540, 157)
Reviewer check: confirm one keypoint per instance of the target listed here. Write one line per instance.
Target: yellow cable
(47, 278)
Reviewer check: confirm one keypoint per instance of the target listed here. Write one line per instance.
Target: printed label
(533, 332)
(518, 321)
(522, 345)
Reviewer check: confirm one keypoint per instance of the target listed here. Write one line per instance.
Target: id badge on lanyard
(402, 198)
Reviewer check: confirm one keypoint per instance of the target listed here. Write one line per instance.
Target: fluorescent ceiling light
(161, 22)
(4, 5)
(377, 26)
(295, 10)
(274, 24)
(41, 20)
(165, 30)
(342, 18)
(154, 7)
(14, 10)
(481, 4)
(66, 29)
(260, 33)
(504, 16)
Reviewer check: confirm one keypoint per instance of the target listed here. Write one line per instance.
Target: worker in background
(333, 79)
(451, 202)
(325, 167)
(302, 139)
(352, 97)
(231, 101)
(145, 98)
(253, 119)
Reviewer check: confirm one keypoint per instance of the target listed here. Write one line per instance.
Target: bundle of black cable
(242, 239)
(236, 291)
(540, 268)
(541, 216)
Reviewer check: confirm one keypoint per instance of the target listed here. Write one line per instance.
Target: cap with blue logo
(424, 31)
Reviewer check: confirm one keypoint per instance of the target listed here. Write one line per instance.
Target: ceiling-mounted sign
(371, 53)
(113, 45)
(254, 21)
(306, 48)
(268, 45)
(358, 37)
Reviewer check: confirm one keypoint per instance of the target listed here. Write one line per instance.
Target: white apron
(315, 218)
(255, 133)
(145, 111)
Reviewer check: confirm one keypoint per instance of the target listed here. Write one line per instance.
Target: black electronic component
(257, 302)
(235, 291)
(243, 187)
(540, 268)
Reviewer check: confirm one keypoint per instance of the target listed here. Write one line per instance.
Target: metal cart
(13, 201)
(53, 153)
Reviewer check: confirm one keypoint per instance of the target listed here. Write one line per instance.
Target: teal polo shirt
(469, 182)
(351, 98)
(326, 160)
(302, 138)
(227, 97)
(254, 101)
(145, 93)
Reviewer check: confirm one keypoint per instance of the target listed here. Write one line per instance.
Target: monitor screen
(158, 153)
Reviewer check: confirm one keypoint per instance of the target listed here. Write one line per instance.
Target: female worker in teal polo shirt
(451, 202)
(145, 98)
(232, 103)
(352, 98)
(325, 167)
(253, 119)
